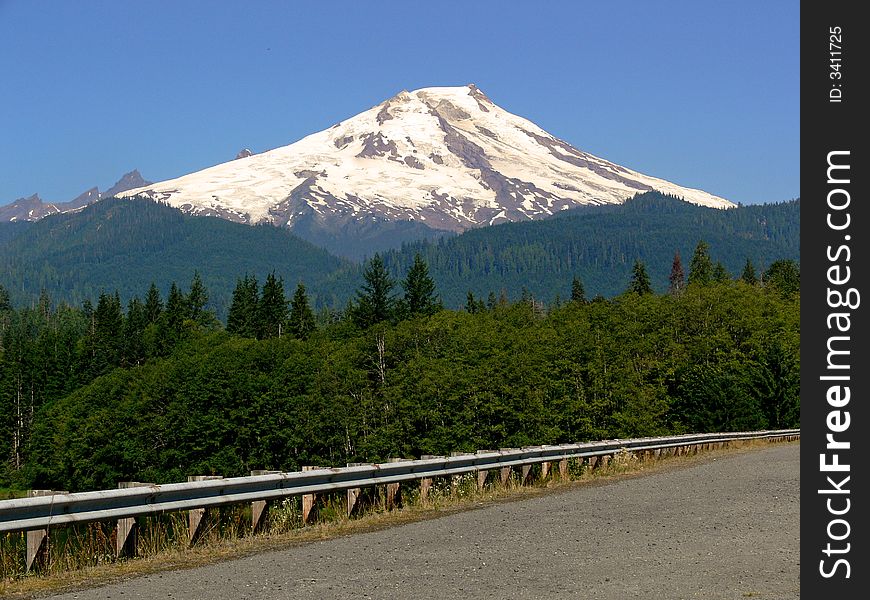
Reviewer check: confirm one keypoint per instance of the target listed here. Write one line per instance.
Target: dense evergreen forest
(118, 244)
(157, 388)
(122, 245)
(600, 245)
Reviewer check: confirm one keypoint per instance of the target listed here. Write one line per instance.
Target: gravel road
(724, 527)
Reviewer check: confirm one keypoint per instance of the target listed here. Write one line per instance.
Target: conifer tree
(701, 267)
(491, 301)
(177, 310)
(720, 273)
(4, 300)
(301, 321)
(242, 318)
(677, 278)
(640, 283)
(153, 304)
(578, 292)
(134, 329)
(375, 301)
(108, 337)
(784, 275)
(470, 303)
(749, 276)
(272, 313)
(197, 298)
(420, 298)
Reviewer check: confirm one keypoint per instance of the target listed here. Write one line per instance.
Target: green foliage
(748, 275)
(677, 278)
(598, 245)
(119, 244)
(301, 321)
(420, 292)
(783, 275)
(578, 292)
(375, 301)
(243, 317)
(701, 267)
(715, 357)
(639, 283)
(272, 309)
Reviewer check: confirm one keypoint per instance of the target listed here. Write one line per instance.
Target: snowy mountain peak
(447, 157)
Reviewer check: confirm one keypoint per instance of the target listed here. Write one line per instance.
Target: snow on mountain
(447, 157)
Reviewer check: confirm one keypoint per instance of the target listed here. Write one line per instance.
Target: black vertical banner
(835, 370)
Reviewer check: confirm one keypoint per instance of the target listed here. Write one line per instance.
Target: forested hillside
(158, 389)
(600, 245)
(124, 245)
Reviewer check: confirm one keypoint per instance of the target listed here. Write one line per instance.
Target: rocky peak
(130, 180)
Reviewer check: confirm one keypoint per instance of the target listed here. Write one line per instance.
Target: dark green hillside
(125, 244)
(8, 231)
(600, 246)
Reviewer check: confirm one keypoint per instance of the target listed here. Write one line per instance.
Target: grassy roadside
(161, 552)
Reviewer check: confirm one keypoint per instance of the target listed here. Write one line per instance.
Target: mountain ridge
(34, 208)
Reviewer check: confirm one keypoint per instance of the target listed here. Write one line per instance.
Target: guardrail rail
(48, 509)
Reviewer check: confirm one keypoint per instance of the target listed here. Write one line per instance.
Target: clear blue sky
(703, 93)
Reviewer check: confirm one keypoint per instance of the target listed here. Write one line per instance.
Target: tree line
(161, 389)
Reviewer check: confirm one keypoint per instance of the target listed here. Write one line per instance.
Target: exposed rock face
(33, 208)
(448, 158)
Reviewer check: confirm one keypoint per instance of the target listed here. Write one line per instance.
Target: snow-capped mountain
(34, 208)
(445, 157)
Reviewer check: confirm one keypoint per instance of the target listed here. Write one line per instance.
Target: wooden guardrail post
(308, 500)
(37, 539)
(482, 474)
(260, 508)
(426, 482)
(545, 469)
(563, 469)
(353, 494)
(504, 473)
(126, 531)
(526, 471)
(392, 494)
(196, 516)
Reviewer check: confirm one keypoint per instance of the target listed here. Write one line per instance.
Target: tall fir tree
(134, 330)
(301, 321)
(420, 297)
(4, 299)
(243, 316)
(748, 275)
(272, 313)
(720, 273)
(374, 300)
(578, 292)
(677, 278)
(197, 299)
(640, 282)
(783, 275)
(172, 321)
(108, 337)
(153, 304)
(701, 267)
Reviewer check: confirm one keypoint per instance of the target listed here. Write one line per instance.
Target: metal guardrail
(27, 514)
